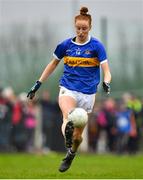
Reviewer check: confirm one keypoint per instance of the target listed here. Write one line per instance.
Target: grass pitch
(85, 166)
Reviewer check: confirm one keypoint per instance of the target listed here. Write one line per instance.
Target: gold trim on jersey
(81, 62)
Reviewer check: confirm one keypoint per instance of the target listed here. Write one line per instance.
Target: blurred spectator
(57, 137)
(47, 113)
(106, 121)
(135, 105)
(51, 123)
(5, 120)
(19, 134)
(92, 128)
(125, 126)
(30, 124)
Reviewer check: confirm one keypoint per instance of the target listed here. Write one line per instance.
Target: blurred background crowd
(115, 125)
(29, 125)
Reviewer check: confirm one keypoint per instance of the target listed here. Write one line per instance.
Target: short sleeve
(101, 52)
(60, 51)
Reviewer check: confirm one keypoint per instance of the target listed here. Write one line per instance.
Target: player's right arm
(58, 54)
(45, 74)
(49, 69)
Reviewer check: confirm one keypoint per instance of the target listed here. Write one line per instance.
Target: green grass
(85, 166)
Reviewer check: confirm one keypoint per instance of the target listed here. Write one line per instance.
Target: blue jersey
(81, 64)
(123, 121)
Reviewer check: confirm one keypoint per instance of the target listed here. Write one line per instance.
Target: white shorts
(85, 101)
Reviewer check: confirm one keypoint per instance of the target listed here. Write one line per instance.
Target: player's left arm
(102, 57)
(107, 76)
(106, 72)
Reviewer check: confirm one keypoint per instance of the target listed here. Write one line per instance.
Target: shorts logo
(63, 92)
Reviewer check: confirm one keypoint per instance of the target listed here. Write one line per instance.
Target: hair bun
(83, 11)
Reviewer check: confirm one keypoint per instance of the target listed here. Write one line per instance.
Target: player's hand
(106, 87)
(32, 91)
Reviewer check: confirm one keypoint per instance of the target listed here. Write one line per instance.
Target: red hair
(84, 15)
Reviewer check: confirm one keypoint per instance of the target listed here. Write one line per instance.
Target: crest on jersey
(78, 51)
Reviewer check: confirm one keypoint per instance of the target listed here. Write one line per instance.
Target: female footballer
(82, 55)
